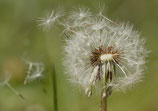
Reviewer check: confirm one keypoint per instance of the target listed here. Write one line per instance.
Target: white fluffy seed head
(102, 32)
(97, 46)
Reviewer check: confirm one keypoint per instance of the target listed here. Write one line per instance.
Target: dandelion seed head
(98, 50)
(102, 50)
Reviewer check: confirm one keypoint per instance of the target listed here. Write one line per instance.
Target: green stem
(55, 102)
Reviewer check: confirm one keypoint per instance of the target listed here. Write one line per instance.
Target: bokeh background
(20, 39)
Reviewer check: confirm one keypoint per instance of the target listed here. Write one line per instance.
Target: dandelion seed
(48, 21)
(5, 82)
(35, 71)
(100, 14)
(98, 24)
(79, 14)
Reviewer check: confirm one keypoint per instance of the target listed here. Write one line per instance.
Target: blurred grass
(21, 38)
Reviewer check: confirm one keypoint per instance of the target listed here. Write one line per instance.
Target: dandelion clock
(100, 54)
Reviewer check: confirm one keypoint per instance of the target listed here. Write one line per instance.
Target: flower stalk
(103, 105)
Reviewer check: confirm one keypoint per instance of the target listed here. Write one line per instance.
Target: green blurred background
(20, 38)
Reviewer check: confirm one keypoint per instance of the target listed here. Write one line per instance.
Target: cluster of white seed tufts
(98, 52)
